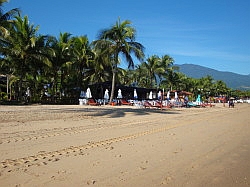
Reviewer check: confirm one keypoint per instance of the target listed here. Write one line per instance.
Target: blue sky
(214, 33)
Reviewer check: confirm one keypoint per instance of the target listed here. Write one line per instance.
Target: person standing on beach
(186, 101)
(28, 95)
(230, 103)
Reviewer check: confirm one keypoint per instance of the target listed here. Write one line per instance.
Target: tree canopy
(63, 66)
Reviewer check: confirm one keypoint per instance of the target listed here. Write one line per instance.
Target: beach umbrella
(150, 95)
(106, 94)
(88, 93)
(198, 99)
(28, 92)
(175, 95)
(159, 95)
(135, 94)
(82, 94)
(168, 95)
(119, 96)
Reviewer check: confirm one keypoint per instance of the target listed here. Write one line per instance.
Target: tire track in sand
(47, 133)
(43, 158)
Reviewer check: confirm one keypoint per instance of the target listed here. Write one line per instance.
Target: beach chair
(191, 104)
(92, 102)
(146, 104)
(196, 105)
(149, 105)
(160, 105)
(124, 102)
(208, 105)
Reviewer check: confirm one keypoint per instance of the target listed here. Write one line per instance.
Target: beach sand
(124, 146)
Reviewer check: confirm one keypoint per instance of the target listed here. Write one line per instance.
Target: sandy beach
(124, 146)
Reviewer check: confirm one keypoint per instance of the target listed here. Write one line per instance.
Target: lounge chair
(124, 102)
(157, 105)
(191, 104)
(208, 104)
(147, 104)
(92, 102)
(195, 104)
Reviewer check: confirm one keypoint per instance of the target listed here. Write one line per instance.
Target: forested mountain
(233, 80)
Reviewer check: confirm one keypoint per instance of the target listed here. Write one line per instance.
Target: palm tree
(60, 61)
(140, 76)
(98, 70)
(154, 69)
(167, 63)
(221, 88)
(82, 56)
(23, 49)
(171, 79)
(206, 84)
(5, 18)
(127, 76)
(119, 39)
(157, 70)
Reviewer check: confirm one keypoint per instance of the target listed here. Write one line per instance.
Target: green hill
(233, 80)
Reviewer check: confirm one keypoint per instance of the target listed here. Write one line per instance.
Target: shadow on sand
(115, 112)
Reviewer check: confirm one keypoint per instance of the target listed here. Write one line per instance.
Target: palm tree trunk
(20, 89)
(114, 70)
(7, 86)
(113, 86)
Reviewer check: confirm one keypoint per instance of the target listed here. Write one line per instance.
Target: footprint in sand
(142, 168)
(110, 148)
(91, 182)
(167, 180)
